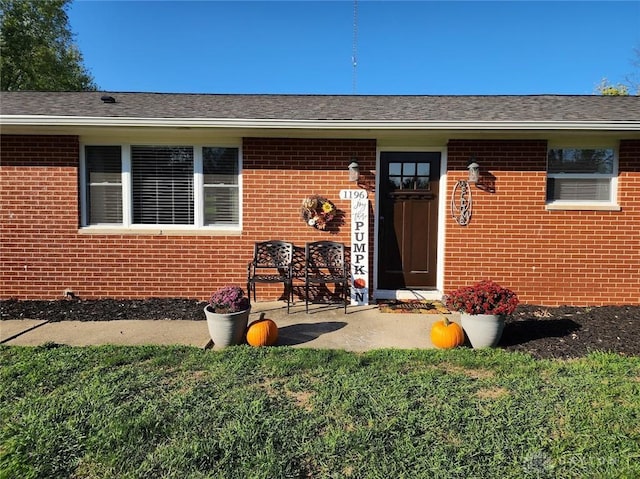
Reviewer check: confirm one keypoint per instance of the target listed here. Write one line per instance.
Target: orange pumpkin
(446, 335)
(262, 332)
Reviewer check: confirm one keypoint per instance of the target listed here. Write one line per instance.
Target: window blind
(162, 185)
(104, 184)
(221, 188)
(568, 189)
(580, 174)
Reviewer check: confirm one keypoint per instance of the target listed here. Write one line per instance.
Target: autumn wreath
(317, 211)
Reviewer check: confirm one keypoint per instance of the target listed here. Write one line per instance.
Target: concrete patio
(362, 328)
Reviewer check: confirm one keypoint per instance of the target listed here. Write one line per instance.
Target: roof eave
(243, 123)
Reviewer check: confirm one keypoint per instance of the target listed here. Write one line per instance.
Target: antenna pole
(354, 52)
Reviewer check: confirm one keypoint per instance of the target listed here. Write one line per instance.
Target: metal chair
(271, 263)
(325, 263)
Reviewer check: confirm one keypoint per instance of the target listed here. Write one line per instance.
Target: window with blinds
(103, 184)
(221, 188)
(580, 174)
(139, 185)
(162, 185)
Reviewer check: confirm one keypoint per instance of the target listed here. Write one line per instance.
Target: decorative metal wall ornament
(461, 203)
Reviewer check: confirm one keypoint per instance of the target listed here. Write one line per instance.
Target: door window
(409, 176)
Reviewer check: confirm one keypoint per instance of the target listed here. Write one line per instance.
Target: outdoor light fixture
(474, 172)
(461, 202)
(354, 171)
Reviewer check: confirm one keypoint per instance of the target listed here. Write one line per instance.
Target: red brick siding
(279, 173)
(547, 257)
(43, 253)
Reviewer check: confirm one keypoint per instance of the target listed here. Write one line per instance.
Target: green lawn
(179, 412)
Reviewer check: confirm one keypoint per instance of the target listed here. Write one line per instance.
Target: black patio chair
(271, 263)
(324, 264)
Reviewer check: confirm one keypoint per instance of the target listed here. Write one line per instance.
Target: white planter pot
(483, 330)
(227, 329)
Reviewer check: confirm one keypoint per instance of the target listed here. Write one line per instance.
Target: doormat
(412, 306)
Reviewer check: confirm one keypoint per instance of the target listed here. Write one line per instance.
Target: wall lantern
(474, 172)
(354, 171)
(461, 202)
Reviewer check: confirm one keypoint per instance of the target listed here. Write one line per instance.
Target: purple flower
(229, 299)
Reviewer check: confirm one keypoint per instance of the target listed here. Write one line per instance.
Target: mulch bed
(544, 332)
(567, 332)
(104, 309)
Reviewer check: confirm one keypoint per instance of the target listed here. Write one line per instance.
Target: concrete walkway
(326, 326)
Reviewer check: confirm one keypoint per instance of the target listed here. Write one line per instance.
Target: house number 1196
(353, 194)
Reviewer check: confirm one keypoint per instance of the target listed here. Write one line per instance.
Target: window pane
(409, 169)
(104, 184)
(220, 166)
(105, 204)
(395, 183)
(395, 169)
(162, 183)
(424, 169)
(221, 191)
(573, 160)
(221, 205)
(408, 183)
(105, 176)
(422, 183)
(569, 189)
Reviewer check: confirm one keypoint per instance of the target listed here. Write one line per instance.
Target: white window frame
(84, 183)
(127, 195)
(607, 205)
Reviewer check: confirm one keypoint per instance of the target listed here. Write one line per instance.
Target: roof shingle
(324, 107)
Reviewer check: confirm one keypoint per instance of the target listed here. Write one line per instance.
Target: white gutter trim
(38, 120)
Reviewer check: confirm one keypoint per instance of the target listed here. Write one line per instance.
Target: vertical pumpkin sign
(359, 245)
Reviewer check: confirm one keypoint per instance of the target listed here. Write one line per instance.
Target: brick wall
(43, 254)
(547, 257)
(279, 173)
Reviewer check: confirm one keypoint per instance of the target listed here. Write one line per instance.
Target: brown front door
(408, 219)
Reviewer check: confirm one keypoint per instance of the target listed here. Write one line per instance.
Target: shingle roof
(324, 107)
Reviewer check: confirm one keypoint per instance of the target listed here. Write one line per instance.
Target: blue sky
(415, 47)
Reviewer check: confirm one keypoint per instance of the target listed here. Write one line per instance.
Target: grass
(180, 412)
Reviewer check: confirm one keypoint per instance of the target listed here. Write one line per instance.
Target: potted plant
(483, 307)
(227, 316)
